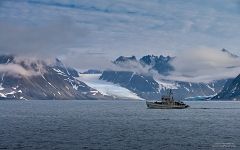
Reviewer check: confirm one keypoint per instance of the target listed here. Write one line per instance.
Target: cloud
(49, 39)
(100, 31)
(197, 65)
(16, 70)
(25, 67)
(84, 59)
(204, 65)
(125, 27)
(133, 66)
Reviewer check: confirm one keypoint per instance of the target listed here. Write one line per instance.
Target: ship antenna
(171, 94)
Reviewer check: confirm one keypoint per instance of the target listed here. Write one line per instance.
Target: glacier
(107, 88)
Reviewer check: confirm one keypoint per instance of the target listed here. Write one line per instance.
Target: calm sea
(110, 125)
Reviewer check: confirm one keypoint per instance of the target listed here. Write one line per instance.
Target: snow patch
(44, 77)
(59, 72)
(67, 87)
(211, 88)
(163, 85)
(187, 89)
(8, 61)
(75, 87)
(10, 93)
(45, 94)
(94, 92)
(22, 98)
(1, 88)
(2, 95)
(15, 87)
(66, 69)
(51, 85)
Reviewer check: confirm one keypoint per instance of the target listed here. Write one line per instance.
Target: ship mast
(171, 95)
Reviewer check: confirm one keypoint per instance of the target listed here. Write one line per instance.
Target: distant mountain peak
(123, 59)
(66, 69)
(160, 63)
(231, 90)
(150, 59)
(58, 62)
(229, 53)
(39, 80)
(4, 59)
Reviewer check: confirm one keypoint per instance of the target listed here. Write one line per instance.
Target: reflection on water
(117, 125)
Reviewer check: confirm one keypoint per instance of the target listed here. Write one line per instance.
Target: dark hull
(154, 105)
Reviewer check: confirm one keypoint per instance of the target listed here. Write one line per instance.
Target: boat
(167, 102)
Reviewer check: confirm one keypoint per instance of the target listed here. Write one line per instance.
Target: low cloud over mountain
(204, 65)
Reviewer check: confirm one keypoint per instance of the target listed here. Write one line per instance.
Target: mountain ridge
(148, 87)
(144, 77)
(231, 90)
(55, 82)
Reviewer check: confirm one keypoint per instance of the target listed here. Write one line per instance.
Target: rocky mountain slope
(231, 90)
(36, 80)
(132, 78)
(147, 87)
(161, 64)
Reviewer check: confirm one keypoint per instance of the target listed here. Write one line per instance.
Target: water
(117, 125)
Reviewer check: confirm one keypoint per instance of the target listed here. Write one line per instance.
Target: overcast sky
(80, 31)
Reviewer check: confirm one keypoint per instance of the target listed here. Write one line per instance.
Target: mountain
(229, 53)
(5, 59)
(92, 71)
(230, 91)
(123, 59)
(144, 86)
(36, 80)
(141, 79)
(67, 70)
(148, 87)
(126, 62)
(161, 64)
(108, 88)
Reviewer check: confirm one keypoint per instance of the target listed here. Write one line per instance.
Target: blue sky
(76, 30)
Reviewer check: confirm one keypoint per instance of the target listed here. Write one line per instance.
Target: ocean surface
(120, 125)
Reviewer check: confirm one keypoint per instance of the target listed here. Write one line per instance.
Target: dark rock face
(58, 81)
(230, 91)
(67, 70)
(4, 59)
(161, 64)
(229, 53)
(131, 80)
(55, 82)
(92, 71)
(126, 62)
(188, 89)
(123, 59)
(146, 87)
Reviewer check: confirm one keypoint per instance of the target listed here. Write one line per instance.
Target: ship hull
(153, 105)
